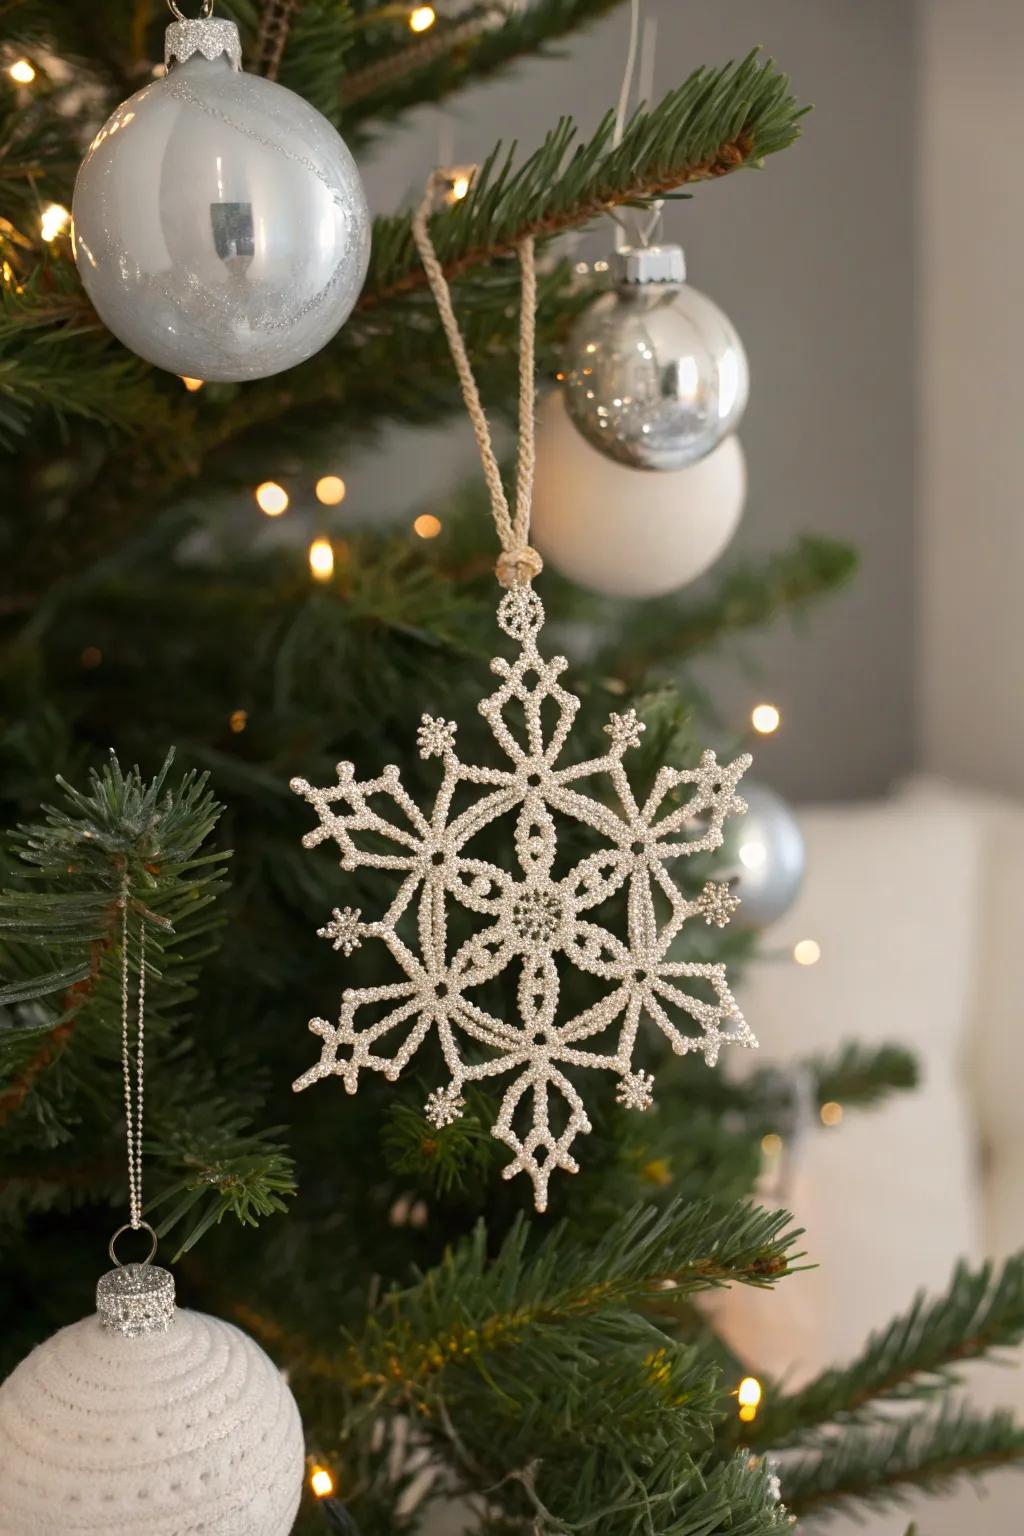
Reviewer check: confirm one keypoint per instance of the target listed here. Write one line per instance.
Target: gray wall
(972, 393)
(813, 259)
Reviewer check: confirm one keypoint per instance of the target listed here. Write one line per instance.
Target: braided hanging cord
(519, 562)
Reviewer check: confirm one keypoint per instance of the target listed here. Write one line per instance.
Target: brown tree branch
(275, 21)
(731, 156)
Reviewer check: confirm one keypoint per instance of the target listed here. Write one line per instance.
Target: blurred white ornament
(764, 858)
(144, 1420)
(221, 228)
(655, 373)
(624, 532)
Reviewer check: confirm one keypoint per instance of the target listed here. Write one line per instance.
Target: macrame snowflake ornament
(530, 916)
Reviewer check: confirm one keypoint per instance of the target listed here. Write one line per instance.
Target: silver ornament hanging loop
(179, 14)
(142, 1226)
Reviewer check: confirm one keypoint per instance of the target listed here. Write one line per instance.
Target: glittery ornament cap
(135, 1299)
(637, 265)
(209, 36)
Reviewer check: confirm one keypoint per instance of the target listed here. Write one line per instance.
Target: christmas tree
(447, 1345)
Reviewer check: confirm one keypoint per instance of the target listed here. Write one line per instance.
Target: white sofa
(918, 906)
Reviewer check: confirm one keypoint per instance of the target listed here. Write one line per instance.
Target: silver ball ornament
(655, 373)
(220, 225)
(763, 857)
(144, 1420)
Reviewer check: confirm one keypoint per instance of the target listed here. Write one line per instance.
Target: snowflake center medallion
(536, 917)
(529, 922)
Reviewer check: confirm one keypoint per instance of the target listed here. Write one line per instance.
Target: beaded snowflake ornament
(528, 917)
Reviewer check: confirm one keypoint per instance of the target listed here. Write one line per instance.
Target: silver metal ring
(143, 1226)
(206, 11)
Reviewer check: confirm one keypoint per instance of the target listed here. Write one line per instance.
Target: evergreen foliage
(559, 1373)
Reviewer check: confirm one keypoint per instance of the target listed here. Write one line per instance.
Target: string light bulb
(330, 490)
(271, 498)
(427, 526)
(321, 559)
(55, 218)
(22, 72)
(831, 1113)
(749, 1394)
(321, 1482)
(422, 18)
(192, 385)
(460, 187)
(765, 719)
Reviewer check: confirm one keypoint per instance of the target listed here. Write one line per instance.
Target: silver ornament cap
(136, 1299)
(637, 265)
(210, 36)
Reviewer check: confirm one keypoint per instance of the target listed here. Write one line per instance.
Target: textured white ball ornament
(626, 532)
(185, 1430)
(220, 225)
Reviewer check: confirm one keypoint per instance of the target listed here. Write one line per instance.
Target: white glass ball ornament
(147, 1420)
(623, 532)
(220, 225)
(655, 373)
(763, 857)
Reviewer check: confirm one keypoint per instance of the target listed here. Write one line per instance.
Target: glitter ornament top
(532, 914)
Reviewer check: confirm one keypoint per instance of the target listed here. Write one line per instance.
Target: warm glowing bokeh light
(749, 1394)
(55, 219)
(422, 18)
(321, 1482)
(22, 72)
(192, 385)
(807, 952)
(239, 720)
(460, 187)
(272, 498)
(771, 1145)
(321, 559)
(831, 1113)
(427, 526)
(765, 718)
(330, 490)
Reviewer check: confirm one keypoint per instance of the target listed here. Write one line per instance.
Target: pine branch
(472, 1304)
(878, 1467)
(864, 1076)
(121, 840)
(915, 1356)
(718, 121)
(377, 78)
(751, 595)
(858, 1076)
(320, 38)
(227, 1169)
(471, 46)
